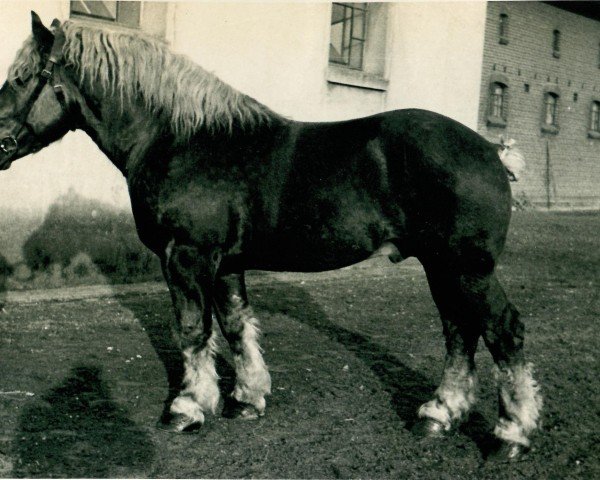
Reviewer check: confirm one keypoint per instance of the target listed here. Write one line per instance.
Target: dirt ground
(352, 353)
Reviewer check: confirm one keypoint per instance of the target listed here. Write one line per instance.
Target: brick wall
(572, 179)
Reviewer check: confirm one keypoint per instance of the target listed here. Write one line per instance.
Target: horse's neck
(126, 134)
(123, 133)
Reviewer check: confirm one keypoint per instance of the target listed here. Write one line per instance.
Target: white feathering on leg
(522, 402)
(253, 380)
(201, 392)
(455, 395)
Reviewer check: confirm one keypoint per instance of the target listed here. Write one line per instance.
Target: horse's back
(434, 181)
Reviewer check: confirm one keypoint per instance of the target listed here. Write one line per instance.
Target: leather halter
(9, 145)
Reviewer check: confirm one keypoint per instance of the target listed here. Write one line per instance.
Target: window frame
(495, 118)
(497, 105)
(118, 17)
(376, 53)
(551, 91)
(594, 119)
(349, 22)
(551, 109)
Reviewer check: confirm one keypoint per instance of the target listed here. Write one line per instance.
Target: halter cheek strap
(9, 145)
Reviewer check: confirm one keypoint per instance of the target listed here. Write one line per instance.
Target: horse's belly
(291, 256)
(316, 246)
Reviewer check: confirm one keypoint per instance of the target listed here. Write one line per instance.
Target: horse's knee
(189, 330)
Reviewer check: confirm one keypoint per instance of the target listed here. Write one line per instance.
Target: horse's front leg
(190, 276)
(240, 327)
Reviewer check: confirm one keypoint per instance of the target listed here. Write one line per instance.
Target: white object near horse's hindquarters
(511, 158)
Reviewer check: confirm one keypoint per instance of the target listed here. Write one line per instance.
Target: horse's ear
(42, 35)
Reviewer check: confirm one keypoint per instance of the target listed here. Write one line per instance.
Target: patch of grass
(554, 245)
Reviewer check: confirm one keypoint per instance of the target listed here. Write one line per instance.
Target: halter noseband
(9, 145)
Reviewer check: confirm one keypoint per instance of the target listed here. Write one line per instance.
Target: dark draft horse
(220, 184)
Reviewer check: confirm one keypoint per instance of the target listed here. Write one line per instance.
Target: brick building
(541, 86)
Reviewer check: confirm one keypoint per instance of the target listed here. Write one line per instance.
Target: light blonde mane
(131, 65)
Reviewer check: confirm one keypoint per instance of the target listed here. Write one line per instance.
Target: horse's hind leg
(471, 305)
(456, 393)
(240, 327)
(519, 396)
(190, 276)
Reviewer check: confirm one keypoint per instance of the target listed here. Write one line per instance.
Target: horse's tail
(512, 159)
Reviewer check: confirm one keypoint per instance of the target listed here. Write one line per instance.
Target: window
(357, 45)
(595, 120)
(550, 110)
(123, 13)
(556, 44)
(348, 34)
(503, 29)
(498, 101)
(594, 131)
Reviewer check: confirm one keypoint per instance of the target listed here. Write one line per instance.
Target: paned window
(126, 13)
(348, 34)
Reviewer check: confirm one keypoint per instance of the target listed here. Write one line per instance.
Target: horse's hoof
(507, 452)
(250, 412)
(429, 428)
(180, 423)
(242, 411)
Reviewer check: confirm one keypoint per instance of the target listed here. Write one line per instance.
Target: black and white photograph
(300, 239)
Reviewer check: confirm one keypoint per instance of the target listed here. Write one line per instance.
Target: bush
(86, 237)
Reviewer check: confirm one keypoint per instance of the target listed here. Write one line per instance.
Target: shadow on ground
(77, 430)
(408, 388)
(159, 333)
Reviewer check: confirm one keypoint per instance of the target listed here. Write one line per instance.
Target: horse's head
(35, 106)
